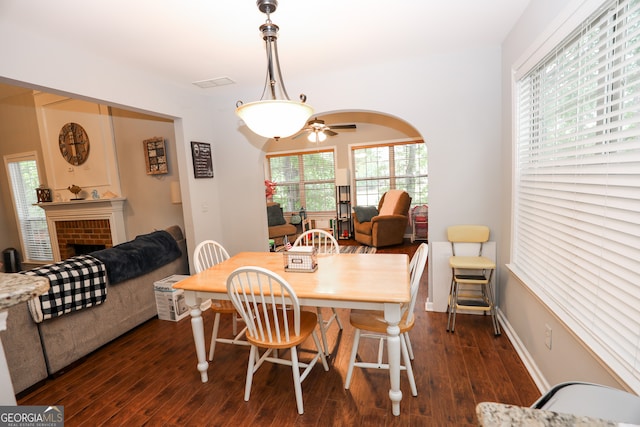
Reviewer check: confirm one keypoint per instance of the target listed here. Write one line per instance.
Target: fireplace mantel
(110, 209)
(116, 203)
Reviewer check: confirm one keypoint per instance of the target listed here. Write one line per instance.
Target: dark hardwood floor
(148, 377)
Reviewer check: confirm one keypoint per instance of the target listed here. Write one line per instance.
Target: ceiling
(188, 41)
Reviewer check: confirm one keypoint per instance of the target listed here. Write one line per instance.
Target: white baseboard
(529, 363)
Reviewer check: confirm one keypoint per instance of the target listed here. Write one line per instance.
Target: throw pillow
(365, 213)
(275, 216)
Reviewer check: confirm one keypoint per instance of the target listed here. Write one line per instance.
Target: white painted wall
(148, 206)
(453, 100)
(527, 317)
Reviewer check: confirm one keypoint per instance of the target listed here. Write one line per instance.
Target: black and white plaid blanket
(75, 283)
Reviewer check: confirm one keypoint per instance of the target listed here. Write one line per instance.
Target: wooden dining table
(362, 281)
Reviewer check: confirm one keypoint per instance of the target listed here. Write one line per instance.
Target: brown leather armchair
(388, 223)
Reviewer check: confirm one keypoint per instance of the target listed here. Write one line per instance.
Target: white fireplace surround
(74, 210)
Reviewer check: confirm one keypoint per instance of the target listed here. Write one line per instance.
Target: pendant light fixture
(275, 115)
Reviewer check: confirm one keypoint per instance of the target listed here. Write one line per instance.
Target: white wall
(148, 205)
(452, 99)
(527, 317)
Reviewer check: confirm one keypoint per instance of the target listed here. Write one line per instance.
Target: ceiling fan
(318, 130)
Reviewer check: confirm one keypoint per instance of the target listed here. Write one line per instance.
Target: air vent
(220, 81)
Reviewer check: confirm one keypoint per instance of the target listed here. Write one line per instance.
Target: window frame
(45, 250)
(572, 275)
(302, 183)
(392, 178)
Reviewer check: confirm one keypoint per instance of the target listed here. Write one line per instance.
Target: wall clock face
(74, 143)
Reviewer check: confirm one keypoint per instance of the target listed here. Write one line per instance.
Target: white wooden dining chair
(207, 254)
(325, 244)
(271, 310)
(371, 324)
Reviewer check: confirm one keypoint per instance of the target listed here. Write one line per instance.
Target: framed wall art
(155, 156)
(202, 161)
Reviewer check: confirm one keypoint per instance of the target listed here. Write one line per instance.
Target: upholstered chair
(386, 225)
(278, 226)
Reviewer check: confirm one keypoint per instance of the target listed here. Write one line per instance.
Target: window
(576, 238)
(32, 224)
(383, 167)
(304, 179)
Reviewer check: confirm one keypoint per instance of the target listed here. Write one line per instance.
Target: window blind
(401, 165)
(576, 238)
(34, 232)
(304, 179)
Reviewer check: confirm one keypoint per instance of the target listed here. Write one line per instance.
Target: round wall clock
(74, 143)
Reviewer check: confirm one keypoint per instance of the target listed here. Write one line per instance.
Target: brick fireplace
(92, 234)
(90, 224)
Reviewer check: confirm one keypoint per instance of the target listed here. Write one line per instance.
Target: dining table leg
(392, 317)
(197, 326)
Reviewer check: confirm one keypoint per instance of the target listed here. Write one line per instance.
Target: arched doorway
(377, 131)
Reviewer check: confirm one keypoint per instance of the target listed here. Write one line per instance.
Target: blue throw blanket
(140, 256)
(75, 283)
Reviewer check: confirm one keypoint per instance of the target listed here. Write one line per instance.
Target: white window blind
(577, 187)
(34, 233)
(382, 167)
(304, 179)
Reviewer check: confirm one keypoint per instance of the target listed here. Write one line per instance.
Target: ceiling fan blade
(330, 132)
(351, 126)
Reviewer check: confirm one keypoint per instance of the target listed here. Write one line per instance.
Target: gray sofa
(36, 350)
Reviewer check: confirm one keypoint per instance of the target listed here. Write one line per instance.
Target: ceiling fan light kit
(319, 131)
(317, 136)
(276, 116)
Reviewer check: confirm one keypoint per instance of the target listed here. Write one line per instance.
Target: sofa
(386, 225)
(35, 351)
(278, 226)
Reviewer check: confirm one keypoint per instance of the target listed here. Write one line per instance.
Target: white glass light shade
(275, 118)
(317, 137)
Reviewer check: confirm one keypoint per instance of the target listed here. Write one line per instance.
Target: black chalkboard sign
(202, 162)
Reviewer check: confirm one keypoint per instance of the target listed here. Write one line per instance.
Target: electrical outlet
(547, 336)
